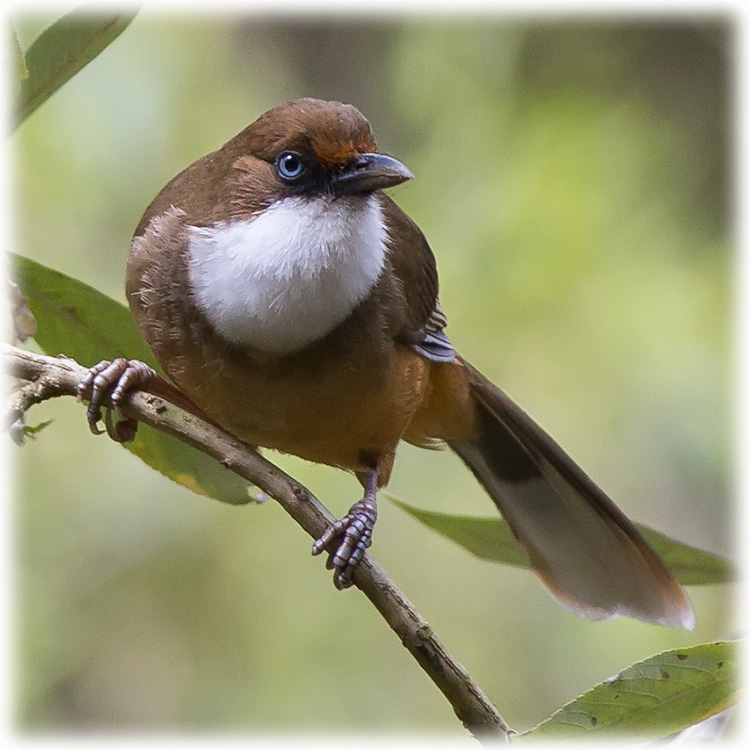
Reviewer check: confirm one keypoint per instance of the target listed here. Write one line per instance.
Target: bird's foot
(347, 540)
(114, 379)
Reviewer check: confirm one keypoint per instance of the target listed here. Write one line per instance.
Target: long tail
(581, 545)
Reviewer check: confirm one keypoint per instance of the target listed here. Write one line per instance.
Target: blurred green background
(573, 177)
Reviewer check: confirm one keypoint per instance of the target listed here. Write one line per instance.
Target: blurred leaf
(487, 538)
(33, 430)
(20, 71)
(653, 698)
(491, 539)
(691, 566)
(19, 431)
(76, 320)
(22, 319)
(61, 50)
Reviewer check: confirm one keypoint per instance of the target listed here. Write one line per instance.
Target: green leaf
(20, 71)
(487, 538)
(76, 320)
(33, 430)
(691, 566)
(653, 698)
(19, 431)
(491, 539)
(61, 50)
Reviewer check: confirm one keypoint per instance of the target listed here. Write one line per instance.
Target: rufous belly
(347, 416)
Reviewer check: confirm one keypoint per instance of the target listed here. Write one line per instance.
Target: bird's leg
(115, 378)
(349, 537)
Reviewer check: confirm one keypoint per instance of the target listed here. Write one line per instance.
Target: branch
(49, 377)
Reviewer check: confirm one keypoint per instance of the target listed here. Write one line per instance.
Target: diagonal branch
(49, 377)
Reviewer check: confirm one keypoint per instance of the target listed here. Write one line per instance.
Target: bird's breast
(290, 274)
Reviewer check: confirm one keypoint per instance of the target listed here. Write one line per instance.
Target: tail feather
(587, 552)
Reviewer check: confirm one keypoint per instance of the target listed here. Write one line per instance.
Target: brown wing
(413, 264)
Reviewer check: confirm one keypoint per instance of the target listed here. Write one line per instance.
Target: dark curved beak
(369, 172)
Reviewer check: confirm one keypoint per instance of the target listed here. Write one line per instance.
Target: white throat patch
(291, 274)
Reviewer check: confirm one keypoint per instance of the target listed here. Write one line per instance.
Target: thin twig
(53, 377)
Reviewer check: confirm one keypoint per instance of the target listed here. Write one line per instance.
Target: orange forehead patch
(334, 152)
(332, 131)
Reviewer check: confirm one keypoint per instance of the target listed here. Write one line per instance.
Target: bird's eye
(289, 165)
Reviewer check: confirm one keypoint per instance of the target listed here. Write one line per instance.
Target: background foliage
(573, 179)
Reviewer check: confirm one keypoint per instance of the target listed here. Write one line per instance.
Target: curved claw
(353, 534)
(93, 417)
(114, 378)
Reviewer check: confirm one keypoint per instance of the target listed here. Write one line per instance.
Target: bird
(291, 301)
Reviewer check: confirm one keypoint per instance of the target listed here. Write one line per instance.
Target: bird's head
(315, 146)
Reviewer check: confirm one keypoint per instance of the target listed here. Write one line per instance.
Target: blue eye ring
(289, 165)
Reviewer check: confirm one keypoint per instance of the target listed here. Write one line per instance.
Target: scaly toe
(353, 534)
(115, 378)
